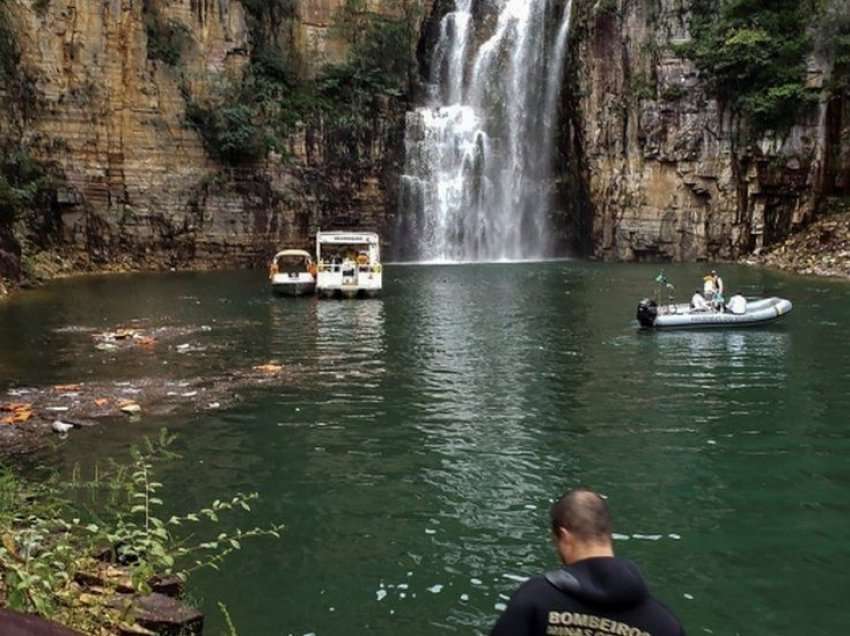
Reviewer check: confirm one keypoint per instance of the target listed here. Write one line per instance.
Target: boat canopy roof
(348, 238)
(301, 253)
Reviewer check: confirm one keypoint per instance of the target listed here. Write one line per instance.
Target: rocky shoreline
(822, 249)
(48, 266)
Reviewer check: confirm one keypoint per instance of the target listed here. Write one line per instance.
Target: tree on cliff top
(753, 53)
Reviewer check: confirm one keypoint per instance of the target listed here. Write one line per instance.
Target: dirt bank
(822, 249)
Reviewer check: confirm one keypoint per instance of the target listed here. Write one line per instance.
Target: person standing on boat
(709, 287)
(594, 592)
(718, 282)
(718, 293)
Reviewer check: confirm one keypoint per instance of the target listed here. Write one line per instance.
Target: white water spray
(478, 156)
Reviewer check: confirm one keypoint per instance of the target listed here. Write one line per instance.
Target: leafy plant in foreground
(47, 547)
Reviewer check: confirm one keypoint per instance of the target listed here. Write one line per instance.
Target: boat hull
(302, 284)
(294, 289)
(758, 313)
(331, 284)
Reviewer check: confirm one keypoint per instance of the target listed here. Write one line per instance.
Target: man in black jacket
(595, 593)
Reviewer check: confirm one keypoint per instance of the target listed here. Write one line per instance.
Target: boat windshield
(292, 264)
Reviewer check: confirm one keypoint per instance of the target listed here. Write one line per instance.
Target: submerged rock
(167, 616)
(15, 624)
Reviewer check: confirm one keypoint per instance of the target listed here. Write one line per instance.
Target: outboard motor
(647, 312)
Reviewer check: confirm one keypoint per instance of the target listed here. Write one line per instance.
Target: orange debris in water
(269, 369)
(102, 401)
(19, 412)
(67, 387)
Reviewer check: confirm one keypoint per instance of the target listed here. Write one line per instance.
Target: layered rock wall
(138, 188)
(668, 174)
(651, 164)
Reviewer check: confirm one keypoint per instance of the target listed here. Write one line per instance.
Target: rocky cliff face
(137, 186)
(668, 172)
(651, 164)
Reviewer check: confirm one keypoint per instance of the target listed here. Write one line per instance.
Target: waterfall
(476, 184)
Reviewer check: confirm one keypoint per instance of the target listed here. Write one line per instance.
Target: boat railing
(325, 266)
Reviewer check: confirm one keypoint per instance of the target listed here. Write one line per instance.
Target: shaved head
(584, 514)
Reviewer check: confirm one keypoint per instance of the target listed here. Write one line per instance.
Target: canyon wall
(672, 172)
(136, 186)
(133, 109)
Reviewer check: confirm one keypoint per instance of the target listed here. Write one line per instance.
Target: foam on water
(515, 577)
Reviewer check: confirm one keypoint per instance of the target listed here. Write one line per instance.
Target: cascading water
(478, 156)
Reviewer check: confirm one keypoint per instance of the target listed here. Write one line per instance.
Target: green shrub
(753, 54)
(24, 183)
(673, 93)
(167, 39)
(642, 86)
(243, 121)
(48, 537)
(229, 130)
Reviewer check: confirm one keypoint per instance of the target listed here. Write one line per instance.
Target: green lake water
(417, 443)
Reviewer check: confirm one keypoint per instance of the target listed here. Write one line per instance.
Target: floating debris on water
(61, 427)
(435, 589)
(27, 413)
(269, 368)
(17, 412)
(515, 577)
(129, 407)
(74, 329)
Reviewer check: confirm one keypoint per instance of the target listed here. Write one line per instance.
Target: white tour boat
(293, 273)
(349, 264)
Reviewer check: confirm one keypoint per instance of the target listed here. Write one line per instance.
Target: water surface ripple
(416, 444)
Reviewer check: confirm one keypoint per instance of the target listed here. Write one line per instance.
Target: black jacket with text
(603, 596)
